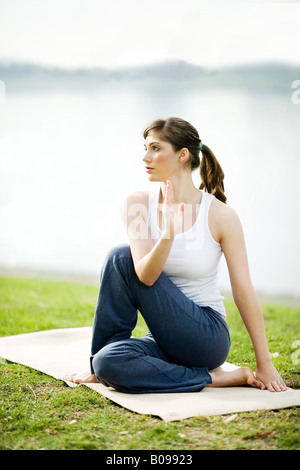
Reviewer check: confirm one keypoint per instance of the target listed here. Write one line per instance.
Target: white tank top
(194, 259)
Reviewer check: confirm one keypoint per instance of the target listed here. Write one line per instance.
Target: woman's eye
(156, 149)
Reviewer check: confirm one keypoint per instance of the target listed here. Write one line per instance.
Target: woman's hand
(172, 221)
(270, 379)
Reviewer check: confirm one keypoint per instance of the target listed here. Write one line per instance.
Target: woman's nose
(146, 157)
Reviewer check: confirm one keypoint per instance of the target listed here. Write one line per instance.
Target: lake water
(66, 160)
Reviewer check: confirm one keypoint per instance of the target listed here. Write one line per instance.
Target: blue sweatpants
(184, 342)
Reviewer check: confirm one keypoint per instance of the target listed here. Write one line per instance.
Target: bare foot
(240, 376)
(81, 378)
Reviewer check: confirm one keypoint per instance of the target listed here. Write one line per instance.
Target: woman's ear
(184, 155)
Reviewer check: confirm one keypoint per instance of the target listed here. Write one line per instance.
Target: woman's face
(160, 159)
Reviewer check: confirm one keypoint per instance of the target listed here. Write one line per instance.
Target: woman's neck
(184, 190)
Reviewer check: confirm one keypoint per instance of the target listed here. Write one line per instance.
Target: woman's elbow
(148, 283)
(144, 278)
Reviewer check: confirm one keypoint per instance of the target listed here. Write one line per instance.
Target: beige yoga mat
(63, 351)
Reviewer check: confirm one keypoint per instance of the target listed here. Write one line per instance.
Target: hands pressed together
(172, 220)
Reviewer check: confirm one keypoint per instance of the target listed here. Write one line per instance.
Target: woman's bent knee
(117, 252)
(114, 260)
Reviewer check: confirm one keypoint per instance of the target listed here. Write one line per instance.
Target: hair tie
(201, 145)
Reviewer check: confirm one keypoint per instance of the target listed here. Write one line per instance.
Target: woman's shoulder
(134, 203)
(222, 218)
(223, 210)
(137, 197)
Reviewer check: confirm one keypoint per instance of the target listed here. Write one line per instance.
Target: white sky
(110, 33)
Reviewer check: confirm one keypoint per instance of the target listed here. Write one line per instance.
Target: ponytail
(212, 175)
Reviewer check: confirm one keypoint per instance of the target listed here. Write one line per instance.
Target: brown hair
(181, 134)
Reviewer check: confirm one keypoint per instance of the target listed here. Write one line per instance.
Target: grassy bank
(39, 412)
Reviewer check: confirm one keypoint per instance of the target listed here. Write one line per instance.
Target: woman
(177, 234)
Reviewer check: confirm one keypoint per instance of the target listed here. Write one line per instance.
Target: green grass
(39, 412)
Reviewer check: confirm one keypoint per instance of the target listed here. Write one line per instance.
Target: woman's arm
(149, 259)
(233, 245)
